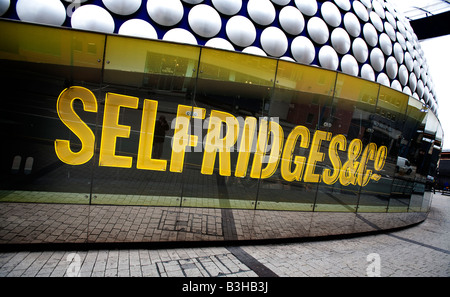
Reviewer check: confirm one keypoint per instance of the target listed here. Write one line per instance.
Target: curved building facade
(155, 121)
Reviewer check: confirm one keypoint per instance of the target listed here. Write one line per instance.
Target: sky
(436, 54)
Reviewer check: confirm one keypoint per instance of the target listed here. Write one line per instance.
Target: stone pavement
(422, 250)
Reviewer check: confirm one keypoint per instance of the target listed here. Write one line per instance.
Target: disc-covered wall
(365, 38)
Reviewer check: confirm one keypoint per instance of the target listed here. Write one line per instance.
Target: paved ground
(421, 250)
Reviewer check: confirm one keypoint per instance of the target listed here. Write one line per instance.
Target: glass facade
(104, 120)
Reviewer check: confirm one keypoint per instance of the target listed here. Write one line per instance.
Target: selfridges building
(211, 120)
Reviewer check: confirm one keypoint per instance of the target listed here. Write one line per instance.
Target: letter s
(69, 117)
(339, 142)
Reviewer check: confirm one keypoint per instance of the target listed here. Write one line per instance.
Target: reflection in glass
(280, 132)
(353, 103)
(164, 74)
(138, 183)
(30, 127)
(42, 62)
(300, 104)
(187, 127)
(236, 88)
(73, 55)
(389, 125)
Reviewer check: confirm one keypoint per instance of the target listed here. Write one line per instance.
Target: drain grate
(191, 223)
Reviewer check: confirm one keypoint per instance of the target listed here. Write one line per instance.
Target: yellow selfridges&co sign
(351, 171)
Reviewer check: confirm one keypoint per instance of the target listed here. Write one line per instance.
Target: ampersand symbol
(350, 168)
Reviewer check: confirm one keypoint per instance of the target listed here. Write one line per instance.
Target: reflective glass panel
(349, 124)
(136, 126)
(298, 109)
(231, 94)
(429, 153)
(431, 146)
(410, 150)
(149, 64)
(389, 124)
(39, 46)
(40, 116)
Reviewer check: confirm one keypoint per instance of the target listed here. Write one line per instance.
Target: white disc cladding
(366, 38)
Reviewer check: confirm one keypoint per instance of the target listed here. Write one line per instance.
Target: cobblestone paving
(422, 250)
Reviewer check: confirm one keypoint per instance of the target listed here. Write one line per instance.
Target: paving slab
(422, 250)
